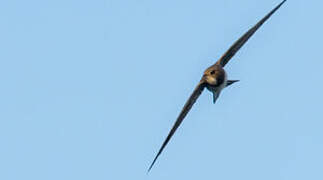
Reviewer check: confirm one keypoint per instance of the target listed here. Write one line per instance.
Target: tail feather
(229, 82)
(215, 96)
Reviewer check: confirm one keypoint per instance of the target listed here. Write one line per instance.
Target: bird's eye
(212, 72)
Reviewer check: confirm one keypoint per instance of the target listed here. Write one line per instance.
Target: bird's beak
(203, 79)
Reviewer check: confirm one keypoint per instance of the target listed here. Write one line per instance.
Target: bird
(214, 78)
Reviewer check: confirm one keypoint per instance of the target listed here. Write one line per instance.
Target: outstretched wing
(240, 42)
(188, 105)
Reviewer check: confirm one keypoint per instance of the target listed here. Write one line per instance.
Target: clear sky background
(90, 89)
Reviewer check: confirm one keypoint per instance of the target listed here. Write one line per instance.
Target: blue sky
(90, 89)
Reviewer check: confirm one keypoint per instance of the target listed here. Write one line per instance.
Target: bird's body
(214, 78)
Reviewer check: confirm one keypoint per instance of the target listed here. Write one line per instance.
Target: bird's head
(214, 75)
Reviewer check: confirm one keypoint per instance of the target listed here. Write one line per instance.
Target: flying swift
(214, 79)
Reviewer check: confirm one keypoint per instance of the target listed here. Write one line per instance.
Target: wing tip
(152, 164)
(281, 3)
